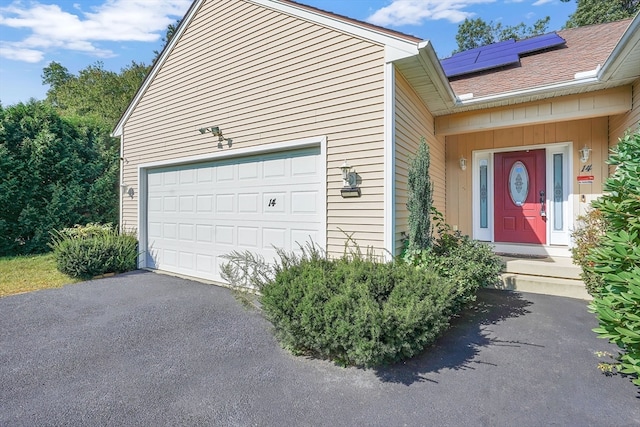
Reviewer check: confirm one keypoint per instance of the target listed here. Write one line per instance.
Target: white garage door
(198, 212)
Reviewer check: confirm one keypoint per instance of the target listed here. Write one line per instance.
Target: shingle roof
(585, 49)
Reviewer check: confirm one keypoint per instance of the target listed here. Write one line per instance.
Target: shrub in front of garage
(354, 310)
(93, 250)
(357, 311)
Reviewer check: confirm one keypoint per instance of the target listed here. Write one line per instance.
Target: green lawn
(30, 273)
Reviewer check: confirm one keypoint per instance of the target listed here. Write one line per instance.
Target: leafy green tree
(590, 12)
(420, 200)
(94, 92)
(54, 173)
(56, 76)
(474, 33)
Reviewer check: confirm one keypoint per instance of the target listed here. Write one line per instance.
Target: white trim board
(389, 159)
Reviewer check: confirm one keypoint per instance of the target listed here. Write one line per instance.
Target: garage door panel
(204, 233)
(274, 168)
(274, 203)
(272, 236)
(247, 237)
(304, 202)
(224, 203)
(204, 203)
(186, 232)
(248, 203)
(198, 213)
(170, 204)
(224, 235)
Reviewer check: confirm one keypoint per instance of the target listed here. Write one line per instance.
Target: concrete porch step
(543, 275)
(544, 285)
(561, 267)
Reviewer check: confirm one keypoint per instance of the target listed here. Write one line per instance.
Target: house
(237, 137)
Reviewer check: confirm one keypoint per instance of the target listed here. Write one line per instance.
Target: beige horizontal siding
(412, 122)
(265, 77)
(619, 124)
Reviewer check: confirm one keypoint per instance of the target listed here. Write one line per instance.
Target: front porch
(551, 275)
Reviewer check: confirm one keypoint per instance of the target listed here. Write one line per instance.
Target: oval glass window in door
(518, 183)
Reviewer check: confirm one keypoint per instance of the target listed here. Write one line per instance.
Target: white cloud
(50, 27)
(414, 12)
(541, 2)
(20, 54)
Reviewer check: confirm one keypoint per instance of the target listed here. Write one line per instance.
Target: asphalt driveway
(148, 349)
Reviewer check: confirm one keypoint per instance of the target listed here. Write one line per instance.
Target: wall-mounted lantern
(584, 153)
(463, 163)
(349, 182)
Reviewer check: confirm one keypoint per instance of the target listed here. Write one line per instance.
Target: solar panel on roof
(461, 69)
(497, 54)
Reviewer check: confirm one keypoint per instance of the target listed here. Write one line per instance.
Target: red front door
(520, 215)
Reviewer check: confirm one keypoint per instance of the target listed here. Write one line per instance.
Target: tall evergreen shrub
(420, 199)
(55, 172)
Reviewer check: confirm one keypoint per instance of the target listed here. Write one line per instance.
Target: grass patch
(30, 273)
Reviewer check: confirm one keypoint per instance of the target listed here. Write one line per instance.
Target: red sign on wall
(585, 179)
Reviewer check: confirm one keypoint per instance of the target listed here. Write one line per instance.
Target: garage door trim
(143, 170)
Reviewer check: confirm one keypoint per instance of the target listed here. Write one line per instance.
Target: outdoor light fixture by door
(463, 163)
(584, 154)
(349, 182)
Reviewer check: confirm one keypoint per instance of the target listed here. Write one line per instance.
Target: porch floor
(543, 275)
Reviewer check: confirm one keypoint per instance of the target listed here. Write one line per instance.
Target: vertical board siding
(619, 124)
(265, 77)
(590, 132)
(414, 121)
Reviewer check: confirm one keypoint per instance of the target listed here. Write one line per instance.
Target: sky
(77, 33)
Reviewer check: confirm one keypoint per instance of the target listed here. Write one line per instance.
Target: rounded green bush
(355, 311)
(469, 264)
(90, 251)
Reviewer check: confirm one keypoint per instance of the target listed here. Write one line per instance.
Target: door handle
(543, 212)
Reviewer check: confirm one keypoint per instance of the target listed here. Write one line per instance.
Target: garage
(196, 212)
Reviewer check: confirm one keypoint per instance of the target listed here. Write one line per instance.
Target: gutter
(463, 101)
